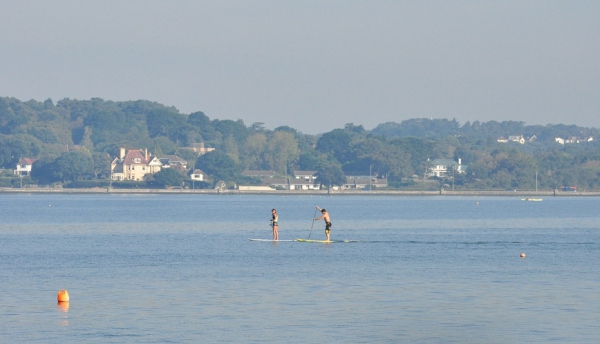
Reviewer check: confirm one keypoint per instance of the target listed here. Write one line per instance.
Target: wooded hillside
(397, 151)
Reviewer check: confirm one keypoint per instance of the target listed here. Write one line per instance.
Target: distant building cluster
(517, 138)
(522, 140)
(307, 180)
(302, 180)
(573, 139)
(137, 164)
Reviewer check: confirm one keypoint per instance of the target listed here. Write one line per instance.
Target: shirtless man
(327, 219)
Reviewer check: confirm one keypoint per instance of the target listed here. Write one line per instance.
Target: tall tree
(168, 177)
(283, 152)
(230, 147)
(73, 166)
(235, 129)
(102, 163)
(253, 151)
(219, 166)
(336, 142)
(330, 173)
(41, 170)
(165, 123)
(14, 147)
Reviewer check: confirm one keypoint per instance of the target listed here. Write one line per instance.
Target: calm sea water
(180, 269)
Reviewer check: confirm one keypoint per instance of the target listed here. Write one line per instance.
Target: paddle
(313, 222)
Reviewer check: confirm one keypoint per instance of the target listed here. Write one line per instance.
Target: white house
(198, 175)
(24, 166)
(302, 184)
(444, 167)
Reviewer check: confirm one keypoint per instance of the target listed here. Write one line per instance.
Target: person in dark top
(274, 224)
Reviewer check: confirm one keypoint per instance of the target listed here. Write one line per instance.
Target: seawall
(518, 193)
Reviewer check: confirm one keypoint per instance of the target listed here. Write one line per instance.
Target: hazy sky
(312, 65)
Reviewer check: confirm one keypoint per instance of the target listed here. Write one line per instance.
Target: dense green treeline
(430, 128)
(400, 152)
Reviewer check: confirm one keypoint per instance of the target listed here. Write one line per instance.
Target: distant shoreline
(518, 193)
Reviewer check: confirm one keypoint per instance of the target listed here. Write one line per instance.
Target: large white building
(134, 165)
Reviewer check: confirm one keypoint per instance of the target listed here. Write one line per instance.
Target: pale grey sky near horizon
(312, 65)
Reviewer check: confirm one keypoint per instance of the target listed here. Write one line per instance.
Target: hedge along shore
(518, 193)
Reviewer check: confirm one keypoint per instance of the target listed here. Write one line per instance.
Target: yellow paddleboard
(311, 240)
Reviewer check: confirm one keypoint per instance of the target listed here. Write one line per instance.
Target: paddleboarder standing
(327, 219)
(274, 224)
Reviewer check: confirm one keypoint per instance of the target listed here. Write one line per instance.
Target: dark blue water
(180, 269)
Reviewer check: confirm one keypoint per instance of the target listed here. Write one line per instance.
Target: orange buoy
(63, 296)
(522, 255)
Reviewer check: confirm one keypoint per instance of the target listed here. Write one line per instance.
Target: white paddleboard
(268, 240)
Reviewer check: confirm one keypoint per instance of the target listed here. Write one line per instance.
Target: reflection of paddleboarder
(274, 224)
(325, 216)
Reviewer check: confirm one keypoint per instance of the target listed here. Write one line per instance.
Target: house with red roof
(24, 166)
(134, 164)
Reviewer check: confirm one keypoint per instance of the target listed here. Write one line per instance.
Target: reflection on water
(63, 307)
